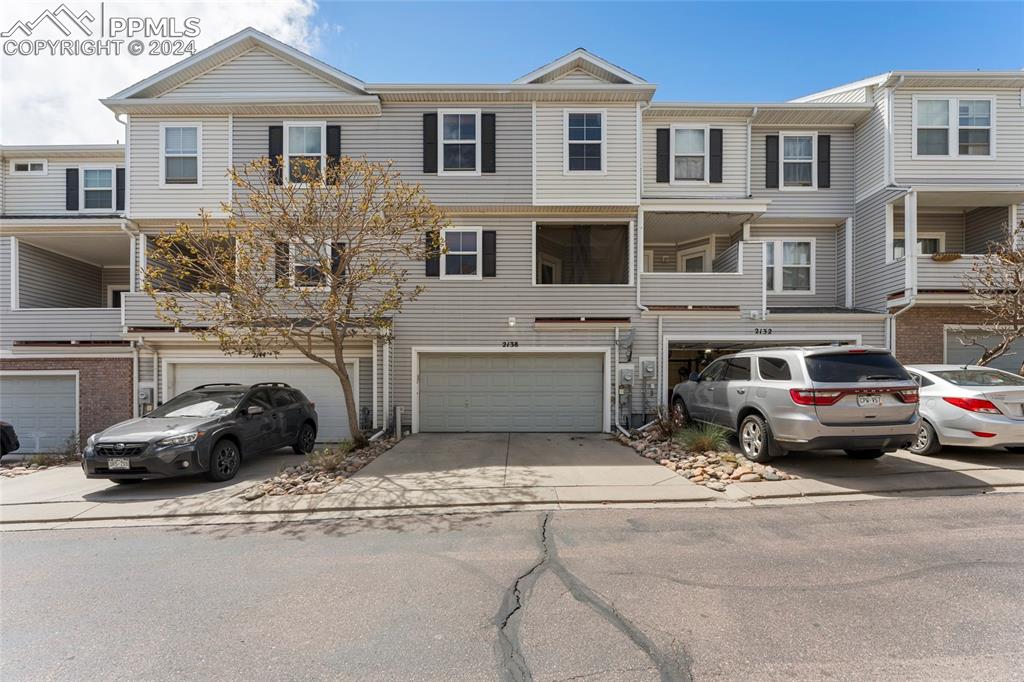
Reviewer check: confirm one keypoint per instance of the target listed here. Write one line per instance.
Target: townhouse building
(602, 244)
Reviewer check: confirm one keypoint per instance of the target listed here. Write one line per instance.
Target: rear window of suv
(844, 368)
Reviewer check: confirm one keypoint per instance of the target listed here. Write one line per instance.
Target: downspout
(135, 380)
(615, 383)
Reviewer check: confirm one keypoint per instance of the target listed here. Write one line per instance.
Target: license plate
(869, 401)
(118, 463)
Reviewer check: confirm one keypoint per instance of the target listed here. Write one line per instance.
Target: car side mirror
(695, 377)
(253, 410)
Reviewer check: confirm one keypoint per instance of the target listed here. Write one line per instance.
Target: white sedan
(969, 406)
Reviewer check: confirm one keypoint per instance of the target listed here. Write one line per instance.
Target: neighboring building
(615, 243)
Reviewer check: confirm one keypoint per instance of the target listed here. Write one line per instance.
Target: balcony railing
(941, 275)
(62, 324)
(742, 288)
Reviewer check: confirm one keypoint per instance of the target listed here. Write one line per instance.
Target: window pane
(453, 241)
(796, 174)
(798, 147)
(974, 142)
(98, 178)
(459, 127)
(180, 140)
(928, 246)
(933, 112)
(459, 156)
(769, 278)
(769, 250)
(796, 253)
(469, 241)
(694, 264)
(689, 168)
(21, 167)
(796, 279)
(585, 127)
(689, 141)
(975, 112)
(774, 369)
(459, 264)
(304, 140)
(35, 167)
(897, 248)
(933, 142)
(303, 168)
(99, 198)
(584, 157)
(180, 170)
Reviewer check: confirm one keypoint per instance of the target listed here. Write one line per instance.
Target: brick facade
(104, 385)
(919, 331)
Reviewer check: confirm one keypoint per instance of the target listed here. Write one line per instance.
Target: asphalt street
(909, 588)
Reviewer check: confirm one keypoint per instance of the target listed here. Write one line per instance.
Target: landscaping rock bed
(714, 469)
(324, 470)
(20, 469)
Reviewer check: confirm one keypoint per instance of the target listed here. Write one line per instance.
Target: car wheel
(1015, 449)
(756, 439)
(679, 411)
(927, 442)
(225, 459)
(864, 454)
(306, 441)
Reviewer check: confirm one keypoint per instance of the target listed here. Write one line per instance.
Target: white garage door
(41, 408)
(959, 354)
(318, 383)
(511, 392)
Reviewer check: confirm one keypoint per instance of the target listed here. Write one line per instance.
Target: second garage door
(958, 353)
(41, 408)
(511, 392)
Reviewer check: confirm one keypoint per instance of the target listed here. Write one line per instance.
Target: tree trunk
(358, 439)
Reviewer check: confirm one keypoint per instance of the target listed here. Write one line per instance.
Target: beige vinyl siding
(741, 289)
(113, 277)
(869, 147)
(985, 225)
(579, 76)
(825, 270)
(734, 161)
(615, 186)
(873, 278)
(666, 258)
(851, 96)
(28, 195)
(834, 202)
(1007, 167)
(950, 225)
(51, 280)
(841, 265)
(148, 199)
(254, 74)
(397, 135)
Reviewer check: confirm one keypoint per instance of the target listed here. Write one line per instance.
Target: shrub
(667, 423)
(330, 458)
(703, 437)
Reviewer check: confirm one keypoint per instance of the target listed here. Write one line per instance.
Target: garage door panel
(958, 354)
(41, 408)
(511, 392)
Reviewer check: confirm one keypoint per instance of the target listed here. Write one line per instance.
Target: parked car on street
(8, 439)
(969, 406)
(853, 398)
(208, 429)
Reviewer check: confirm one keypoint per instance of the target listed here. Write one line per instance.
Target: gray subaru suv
(208, 429)
(853, 398)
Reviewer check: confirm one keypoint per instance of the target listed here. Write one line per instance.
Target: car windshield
(199, 404)
(980, 377)
(841, 368)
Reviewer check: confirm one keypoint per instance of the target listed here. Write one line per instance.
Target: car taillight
(973, 405)
(809, 396)
(909, 395)
(984, 434)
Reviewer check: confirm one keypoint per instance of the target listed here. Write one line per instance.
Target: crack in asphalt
(512, 664)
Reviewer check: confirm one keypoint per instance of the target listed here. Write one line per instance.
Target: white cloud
(54, 99)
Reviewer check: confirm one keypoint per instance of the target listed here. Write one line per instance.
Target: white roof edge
(58, 148)
(580, 52)
(498, 87)
(863, 83)
(245, 34)
(852, 106)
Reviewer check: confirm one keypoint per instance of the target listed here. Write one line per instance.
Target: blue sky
(722, 51)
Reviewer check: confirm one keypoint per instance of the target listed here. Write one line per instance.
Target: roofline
(61, 147)
(498, 87)
(244, 34)
(632, 78)
(797, 106)
(891, 78)
(863, 83)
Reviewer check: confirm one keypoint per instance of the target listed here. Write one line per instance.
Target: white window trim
(565, 142)
(630, 234)
(81, 189)
(199, 154)
(111, 288)
(286, 172)
(941, 236)
(682, 256)
(953, 128)
(777, 243)
(672, 153)
(648, 261)
(291, 268)
(479, 253)
(441, 142)
(46, 167)
(556, 266)
(813, 134)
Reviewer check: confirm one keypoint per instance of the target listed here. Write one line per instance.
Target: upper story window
(581, 254)
(97, 189)
(584, 142)
(689, 154)
(304, 150)
(953, 127)
(797, 159)
(460, 141)
(34, 167)
(461, 259)
(180, 154)
(789, 266)
(307, 263)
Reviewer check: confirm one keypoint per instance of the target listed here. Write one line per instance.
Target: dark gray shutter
(275, 150)
(824, 161)
(430, 143)
(337, 248)
(333, 145)
(490, 245)
(715, 155)
(433, 263)
(282, 256)
(488, 154)
(771, 161)
(119, 189)
(71, 189)
(661, 154)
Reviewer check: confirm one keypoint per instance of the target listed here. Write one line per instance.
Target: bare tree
(996, 285)
(306, 266)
